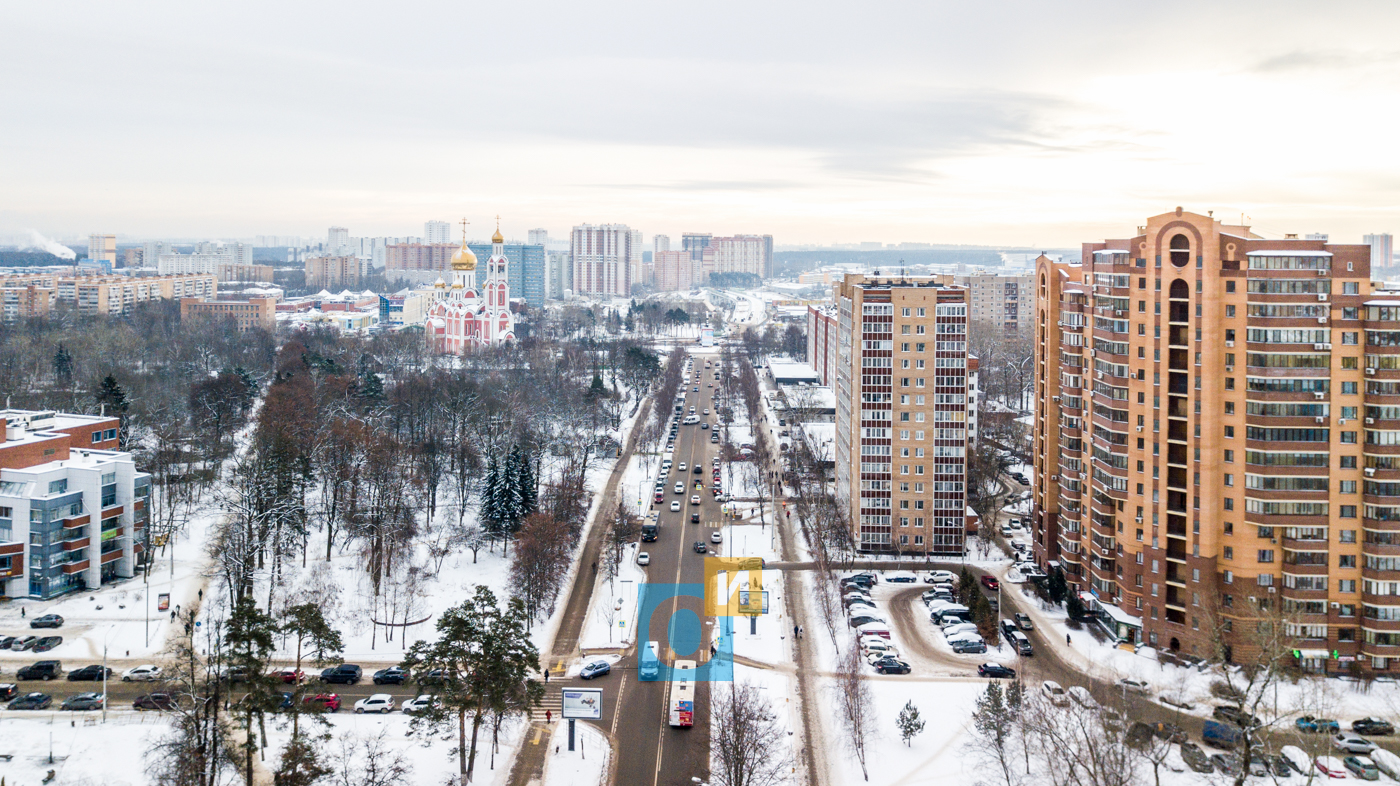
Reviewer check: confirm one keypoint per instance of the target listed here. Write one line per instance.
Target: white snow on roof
(1289, 253)
(1383, 302)
(1113, 251)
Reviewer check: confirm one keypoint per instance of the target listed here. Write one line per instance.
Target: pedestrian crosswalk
(553, 702)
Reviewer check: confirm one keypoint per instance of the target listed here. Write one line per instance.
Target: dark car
(154, 701)
(891, 665)
(432, 678)
(1362, 768)
(901, 579)
(1226, 763)
(47, 643)
(996, 671)
(47, 621)
(974, 646)
(700, 547)
(345, 673)
(6, 641)
(596, 668)
(42, 670)
(1372, 726)
(1008, 627)
(695, 517)
(31, 701)
(322, 702)
(83, 701)
(93, 672)
(8, 690)
(1279, 764)
(390, 676)
(235, 674)
(990, 582)
(1234, 715)
(699, 469)
(1195, 758)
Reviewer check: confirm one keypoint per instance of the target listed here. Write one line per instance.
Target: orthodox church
(463, 317)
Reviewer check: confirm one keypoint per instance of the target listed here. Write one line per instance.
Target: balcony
(75, 567)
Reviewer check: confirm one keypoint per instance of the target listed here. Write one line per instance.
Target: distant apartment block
(25, 301)
(254, 313)
(673, 270)
(751, 254)
(537, 237)
(73, 508)
(822, 339)
(527, 269)
(236, 272)
(108, 294)
(418, 256)
(337, 239)
(336, 272)
(660, 243)
(603, 259)
(103, 248)
(1000, 300)
(1382, 250)
(437, 232)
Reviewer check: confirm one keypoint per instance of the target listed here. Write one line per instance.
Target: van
(649, 665)
(1022, 644)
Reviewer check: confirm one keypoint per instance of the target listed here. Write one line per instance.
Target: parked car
(1195, 758)
(1362, 768)
(891, 665)
(1297, 759)
(46, 643)
(990, 582)
(42, 670)
(1226, 763)
(1388, 763)
(93, 672)
(1352, 743)
(1082, 697)
(1372, 726)
(856, 620)
(390, 676)
(937, 576)
(379, 702)
(1008, 627)
(1220, 734)
(1135, 686)
(82, 701)
(155, 701)
(145, 673)
(23, 643)
(643, 558)
(901, 578)
(31, 701)
(969, 646)
(1023, 620)
(345, 673)
(1234, 715)
(1317, 725)
(322, 702)
(1055, 693)
(996, 671)
(6, 641)
(8, 690)
(47, 621)
(417, 704)
(1330, 766)
(595, 668)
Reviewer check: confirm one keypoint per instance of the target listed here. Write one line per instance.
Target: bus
(682, 699)
(650, 530)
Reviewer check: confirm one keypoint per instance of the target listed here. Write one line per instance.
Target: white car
(695, 499)
(643, 558)
(1082, 697)
(949, 631)
(145, 673)
(680, 467)
(379, 702)
(1055, 693)
(680, 488)
(1135, 686)
(417, 704)
(942, 575)
(675, 506)
(715, 537)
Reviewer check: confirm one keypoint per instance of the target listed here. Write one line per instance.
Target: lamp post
(110, 628)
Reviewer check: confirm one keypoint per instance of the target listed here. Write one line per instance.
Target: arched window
(1180, 290)
(1180, 251)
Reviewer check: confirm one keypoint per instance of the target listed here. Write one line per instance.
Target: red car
(290, 676)
(990, 582)
(322, 702)
(660, 497)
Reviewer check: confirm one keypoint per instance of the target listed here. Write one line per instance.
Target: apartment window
(1229, 432)
(904, 382)
(1349, 338)
(904, 505)
(1347, 511)
(1349, 388)
(918, 330)
(904, 312)
(919, 347)
(904, 434)
(1229, 552)
(1346, 585)
(1266, 556)
(1348, 462)
(1346, 610)
(921, 312)
(97, 436)
(58, 486)
(919, 382)
(1228, 577)
(904, 469)
(1230, 456)
(1346, 486)
(1350, 362)
(1154, 590)
(904, 364)
(1350, 288)
(904, 347)
(1229, 286)
(1229, 311)
(1229, 408)
(903, 330)
(1346, 536)
(918, 469)
(1346, 560)
(1229, 479)
(1350, 313)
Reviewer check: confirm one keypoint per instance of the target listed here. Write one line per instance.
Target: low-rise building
(73, 508)
(258, 312)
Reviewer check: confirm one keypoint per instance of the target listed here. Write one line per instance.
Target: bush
(1222, 690)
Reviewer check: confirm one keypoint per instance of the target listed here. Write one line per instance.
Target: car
(1175, 700)
(1226, 763)
(862, 609)
(699, 470)
(714, 438)
(675, 506)
(891, 665)
(680, 467)
(941, 576)
(1135, 686)
(1330, 766)
(345, 674)
(23, 643)
(968, 646)
(1352, 743)
(417, 704)
(145, 673)
(432, 678)
(1169, 732)
(695, 499)
(643, 558)
(996, 671)
(289, 676)
(31, 701)
(752, 563)
(1362, 768)
(8, 690)
(233, 674)
(595, 668)
(379, 702)
(1279, 765)
(393, 675)
(1373, 726)
(699, 547)
(1317, 725)
(90, 673)
(42, 670)
(704, 426)
(1234, 715)
(1297, 759)
(679, 489)
(715, 537)
(155, 701)
(322, 702)
(956, 629)
(47, 621)
(82, 701)
(901, 578)
(1008, 627)
(1195, 758)
(695, 389)
(990, 582)
(1082, 697)
(864, 617)
(1023, 620)
(46, 643)
(6, 641)
(1054, 693)
(659, 498)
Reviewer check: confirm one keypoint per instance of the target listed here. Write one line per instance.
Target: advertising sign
(583, 703)
(162, 602)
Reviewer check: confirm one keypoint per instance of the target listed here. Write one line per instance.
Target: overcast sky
(1026, 123)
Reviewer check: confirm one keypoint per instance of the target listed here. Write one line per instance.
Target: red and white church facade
(463, 317)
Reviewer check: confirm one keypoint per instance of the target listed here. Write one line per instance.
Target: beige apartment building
(253, 313)
(999, 299)
(342, 271)
(98, 294)
(418, 256)
(1217, 439)
(901, 397)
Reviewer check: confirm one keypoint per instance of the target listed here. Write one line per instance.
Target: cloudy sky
(1025, 123)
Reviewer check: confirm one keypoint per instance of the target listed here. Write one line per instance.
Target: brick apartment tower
(901, 390)
(1213, 435)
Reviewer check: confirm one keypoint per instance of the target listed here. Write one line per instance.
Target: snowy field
(587, 765)
(84, 753)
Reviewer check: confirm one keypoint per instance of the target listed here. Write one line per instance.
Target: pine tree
(491, 515)
(512, 500)
(63, 366)
(909, 722)
(113, 397)
(529, 489)
(1056, 587)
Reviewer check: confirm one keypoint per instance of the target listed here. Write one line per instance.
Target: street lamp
(110, 628)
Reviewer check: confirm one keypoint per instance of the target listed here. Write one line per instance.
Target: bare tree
(854, 704)
(750, 746)
(371, 760)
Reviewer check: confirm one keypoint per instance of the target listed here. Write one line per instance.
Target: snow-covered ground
(586, 765)
(85, 752)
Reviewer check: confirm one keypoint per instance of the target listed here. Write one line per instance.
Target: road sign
(584, 703)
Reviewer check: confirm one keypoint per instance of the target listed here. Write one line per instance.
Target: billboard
(583, 703)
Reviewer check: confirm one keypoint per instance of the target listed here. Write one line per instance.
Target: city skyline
(993, 136)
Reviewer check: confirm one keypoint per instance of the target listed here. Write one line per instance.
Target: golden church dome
(464, 259)
(497, 238)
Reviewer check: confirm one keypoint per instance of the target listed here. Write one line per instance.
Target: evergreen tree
(529, 491)
(909, 722)
(492, 517)
(512, 499)
(63, 366)
(596, 389)
(110, 394)
(1074, 606)
(370, 389)
(301, 764)
(1056, 587)
(250, 387)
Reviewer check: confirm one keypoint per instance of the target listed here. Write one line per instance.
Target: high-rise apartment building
(103, 248)
(418, 256)
(674, 270)
(660, 243)
(751, 254)
(603, 259)
(437, 232)
(1382, 250)
(337, 239)
(341, 271)
(537, 237)
(901, 410)
(1217, 439)
(999, 299)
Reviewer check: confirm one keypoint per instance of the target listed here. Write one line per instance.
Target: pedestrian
(172, 616)
(1067, 639)
(21, 612)
(548, 716)
(546, 674)
(595, 566)
(796, 629)
(201, 593)
(800, 632)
